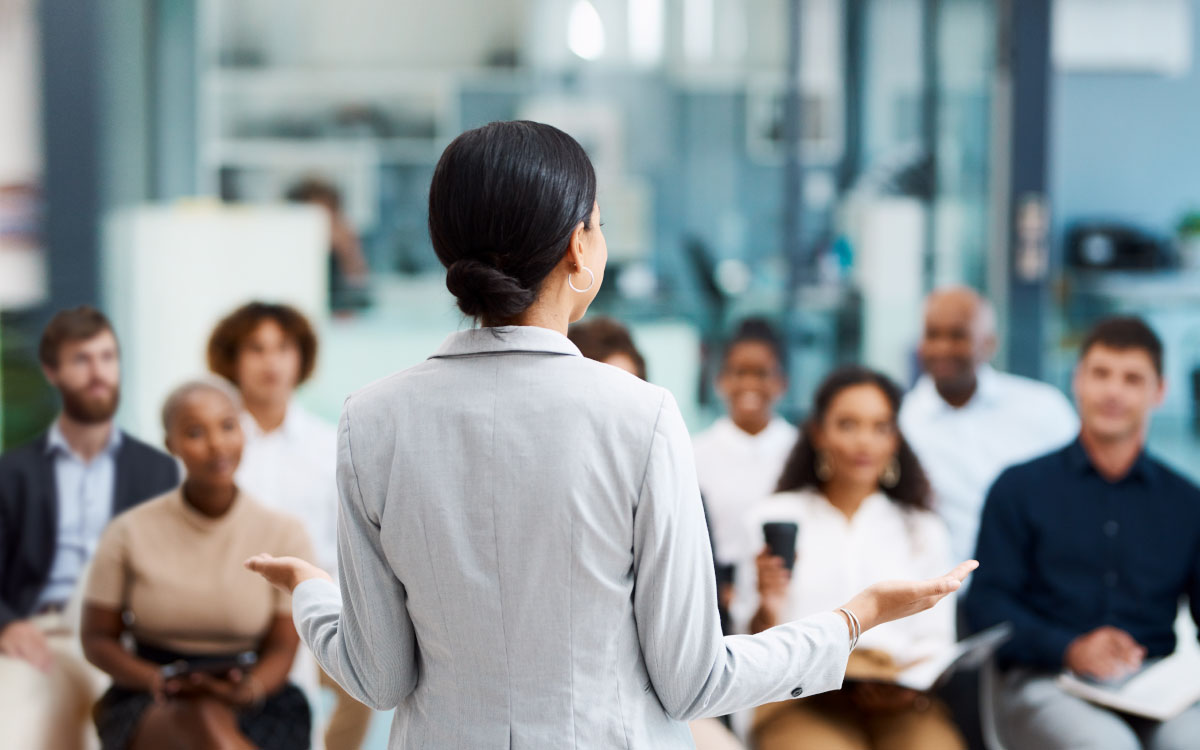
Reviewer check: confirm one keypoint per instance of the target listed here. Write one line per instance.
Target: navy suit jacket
(29, 512)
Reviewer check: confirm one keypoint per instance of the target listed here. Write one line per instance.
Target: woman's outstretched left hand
(285, 573)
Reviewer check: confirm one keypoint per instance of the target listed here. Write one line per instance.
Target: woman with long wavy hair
(860, 500)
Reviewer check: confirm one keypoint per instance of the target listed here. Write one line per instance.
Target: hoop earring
(591, 281)
(824, 467)
(891, 475)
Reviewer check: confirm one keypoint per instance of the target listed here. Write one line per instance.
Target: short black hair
(759, 331)
(503, 203)
(1123, 333)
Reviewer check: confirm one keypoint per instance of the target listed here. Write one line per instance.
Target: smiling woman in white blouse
(739, 458)
(860, 500)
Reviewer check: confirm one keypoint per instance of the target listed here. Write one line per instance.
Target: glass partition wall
(818, 162)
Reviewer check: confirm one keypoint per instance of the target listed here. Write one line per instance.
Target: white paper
(1161, 691)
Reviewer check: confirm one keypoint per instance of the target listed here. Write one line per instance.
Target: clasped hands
(235, 688)
(1106, 653)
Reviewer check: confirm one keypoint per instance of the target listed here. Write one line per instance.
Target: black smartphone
(725, 574)
(216, 667)
(781, 540)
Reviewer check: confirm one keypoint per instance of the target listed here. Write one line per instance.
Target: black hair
(912, 488)
(1124, 333)
(758, 331)
(503, 203)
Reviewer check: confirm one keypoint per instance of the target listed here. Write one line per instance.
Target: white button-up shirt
(1008, 421)
(738, 470)
(85, 492)
(837, 557)
(293, 469)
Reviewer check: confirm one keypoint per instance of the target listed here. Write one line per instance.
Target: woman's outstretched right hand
(892, 600)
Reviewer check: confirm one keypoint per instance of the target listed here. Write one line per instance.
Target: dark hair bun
(485, 291)
(503, 203)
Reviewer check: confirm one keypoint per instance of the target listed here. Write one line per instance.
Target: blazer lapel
(48, 507)
(122, 478)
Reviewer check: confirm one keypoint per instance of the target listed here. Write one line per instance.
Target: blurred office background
(822, 162)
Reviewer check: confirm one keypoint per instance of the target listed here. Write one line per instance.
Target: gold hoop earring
(824, 467)
(891, 475)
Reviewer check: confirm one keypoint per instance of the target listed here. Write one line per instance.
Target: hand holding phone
(781, 541)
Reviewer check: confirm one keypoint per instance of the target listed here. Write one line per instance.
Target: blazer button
(798, 692)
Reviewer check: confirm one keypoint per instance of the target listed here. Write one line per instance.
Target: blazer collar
(504, 339)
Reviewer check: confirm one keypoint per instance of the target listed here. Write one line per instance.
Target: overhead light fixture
(646, 22)
(585, 31)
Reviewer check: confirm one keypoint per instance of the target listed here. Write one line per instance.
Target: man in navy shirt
(1087, 552)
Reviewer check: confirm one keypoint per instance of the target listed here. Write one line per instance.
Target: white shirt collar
(776, 429)
(988, 391)
(287, 428)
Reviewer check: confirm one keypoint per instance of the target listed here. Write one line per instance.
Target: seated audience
(860, 501)
(349, 274)
(739, 458)
(289, 462)
(56, 496)
(966, 421)
(606, 340)
(1087, 551)
(170, 575)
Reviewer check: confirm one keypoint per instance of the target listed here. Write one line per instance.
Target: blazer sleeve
(362, 638)
(695, 671)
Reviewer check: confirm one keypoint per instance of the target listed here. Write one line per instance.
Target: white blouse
(1008, 421)
(293, 469)
(837, 557)
(737, 471)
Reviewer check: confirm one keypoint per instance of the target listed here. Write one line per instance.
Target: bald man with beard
(968, 422)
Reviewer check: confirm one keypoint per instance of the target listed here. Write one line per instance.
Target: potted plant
(1188, 235)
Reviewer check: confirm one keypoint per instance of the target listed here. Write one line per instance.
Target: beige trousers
(51, 711)
(832, 721)
(350, 720)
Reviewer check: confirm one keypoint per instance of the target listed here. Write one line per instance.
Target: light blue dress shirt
(85, 501)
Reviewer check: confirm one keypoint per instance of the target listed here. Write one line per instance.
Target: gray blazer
(524, 561)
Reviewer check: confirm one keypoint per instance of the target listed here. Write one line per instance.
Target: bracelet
(855, 626)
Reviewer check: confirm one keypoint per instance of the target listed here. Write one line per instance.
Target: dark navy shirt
(1063, 551)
